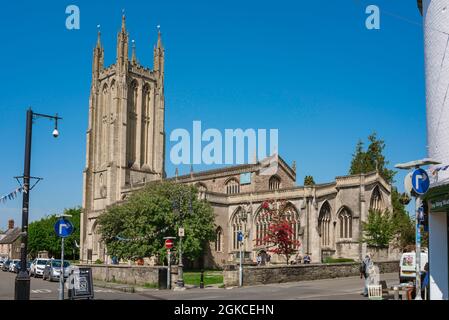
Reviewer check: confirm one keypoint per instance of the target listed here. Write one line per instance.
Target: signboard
(81, 284)
(63, 228)
(245, 178)
(181, 232)
(168, 243)
(439, 203)
(240, 236)
(420, 181)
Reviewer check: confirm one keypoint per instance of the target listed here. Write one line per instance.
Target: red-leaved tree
(279, 237)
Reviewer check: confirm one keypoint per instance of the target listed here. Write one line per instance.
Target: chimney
(11, 224)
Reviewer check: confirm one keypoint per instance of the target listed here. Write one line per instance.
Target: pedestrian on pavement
(307, 259)
(259, 259)
(365, 267)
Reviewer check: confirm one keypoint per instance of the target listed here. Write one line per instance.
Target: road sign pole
(169, 270)
(241, 265)
(61, 274)
(418, 249)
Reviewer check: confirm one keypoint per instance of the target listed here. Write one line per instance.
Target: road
(331, 289)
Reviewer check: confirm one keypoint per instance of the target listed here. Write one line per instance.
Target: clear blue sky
(309, 68)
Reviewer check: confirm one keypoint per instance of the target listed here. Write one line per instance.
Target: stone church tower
(125, 135)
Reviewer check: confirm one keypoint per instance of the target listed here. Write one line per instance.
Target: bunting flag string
(434, 172)
(142, 238)
(11, 196)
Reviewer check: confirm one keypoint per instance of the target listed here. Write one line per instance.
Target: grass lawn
(210, 277)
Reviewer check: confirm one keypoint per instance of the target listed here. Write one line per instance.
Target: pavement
(349, 288)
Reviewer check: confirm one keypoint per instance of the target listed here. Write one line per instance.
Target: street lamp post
(22, 281)
(177, 207)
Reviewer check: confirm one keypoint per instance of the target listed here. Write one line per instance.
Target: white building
(436, 39)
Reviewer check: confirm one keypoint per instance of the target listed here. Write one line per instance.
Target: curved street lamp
(22, 281)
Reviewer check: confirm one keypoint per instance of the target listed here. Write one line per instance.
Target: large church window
(131, 123)
(146, 125)
(345, 221)
(376, 200)
(324, 220)
(238, 224)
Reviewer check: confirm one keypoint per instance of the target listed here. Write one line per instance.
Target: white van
(407, 265)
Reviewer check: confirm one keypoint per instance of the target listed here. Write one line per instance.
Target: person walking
(365, 267)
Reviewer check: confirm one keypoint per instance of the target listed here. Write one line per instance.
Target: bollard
(202, 279)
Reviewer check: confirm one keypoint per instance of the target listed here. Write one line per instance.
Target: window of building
(324, 220)
(262, 223)
(202, 189)
(274, 183)
(232, 187)
(219, 239)
(238, 225)
(345, 221)
(376, 200)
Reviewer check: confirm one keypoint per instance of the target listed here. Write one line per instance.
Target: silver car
(52, 270)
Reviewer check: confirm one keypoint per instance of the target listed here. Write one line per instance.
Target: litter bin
(162, 278)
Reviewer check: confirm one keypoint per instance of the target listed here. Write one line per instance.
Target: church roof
(232, 170)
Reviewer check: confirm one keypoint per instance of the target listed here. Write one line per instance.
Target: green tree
(136, 228)
(403, 225)
(42, 236)
(372, 159)
(309, 181)
(378, 230)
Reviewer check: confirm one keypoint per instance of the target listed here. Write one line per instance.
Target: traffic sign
(420, 181)
(169, 244)
(240, 236)
(63, 228)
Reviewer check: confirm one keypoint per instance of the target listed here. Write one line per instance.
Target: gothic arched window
(324, 220)
(345, 221)
(131, 124)
(232, 187)
(263, 220)
(274, 183)
(219, 240)
(376, 200)
(238, 224)
(146, 134)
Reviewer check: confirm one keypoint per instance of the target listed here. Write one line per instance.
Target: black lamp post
(22, 282)
(177, 208)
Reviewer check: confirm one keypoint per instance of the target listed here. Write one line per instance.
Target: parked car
(407, 266)
(13, 265)
(17, 267)
(2, 260)
(52, 270)
(6, 264)
(38, 266)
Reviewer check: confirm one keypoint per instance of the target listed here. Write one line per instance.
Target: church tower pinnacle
(122, 47)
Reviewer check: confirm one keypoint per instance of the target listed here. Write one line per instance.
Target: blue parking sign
(63, 228)
(420, 181)
(240, 236)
